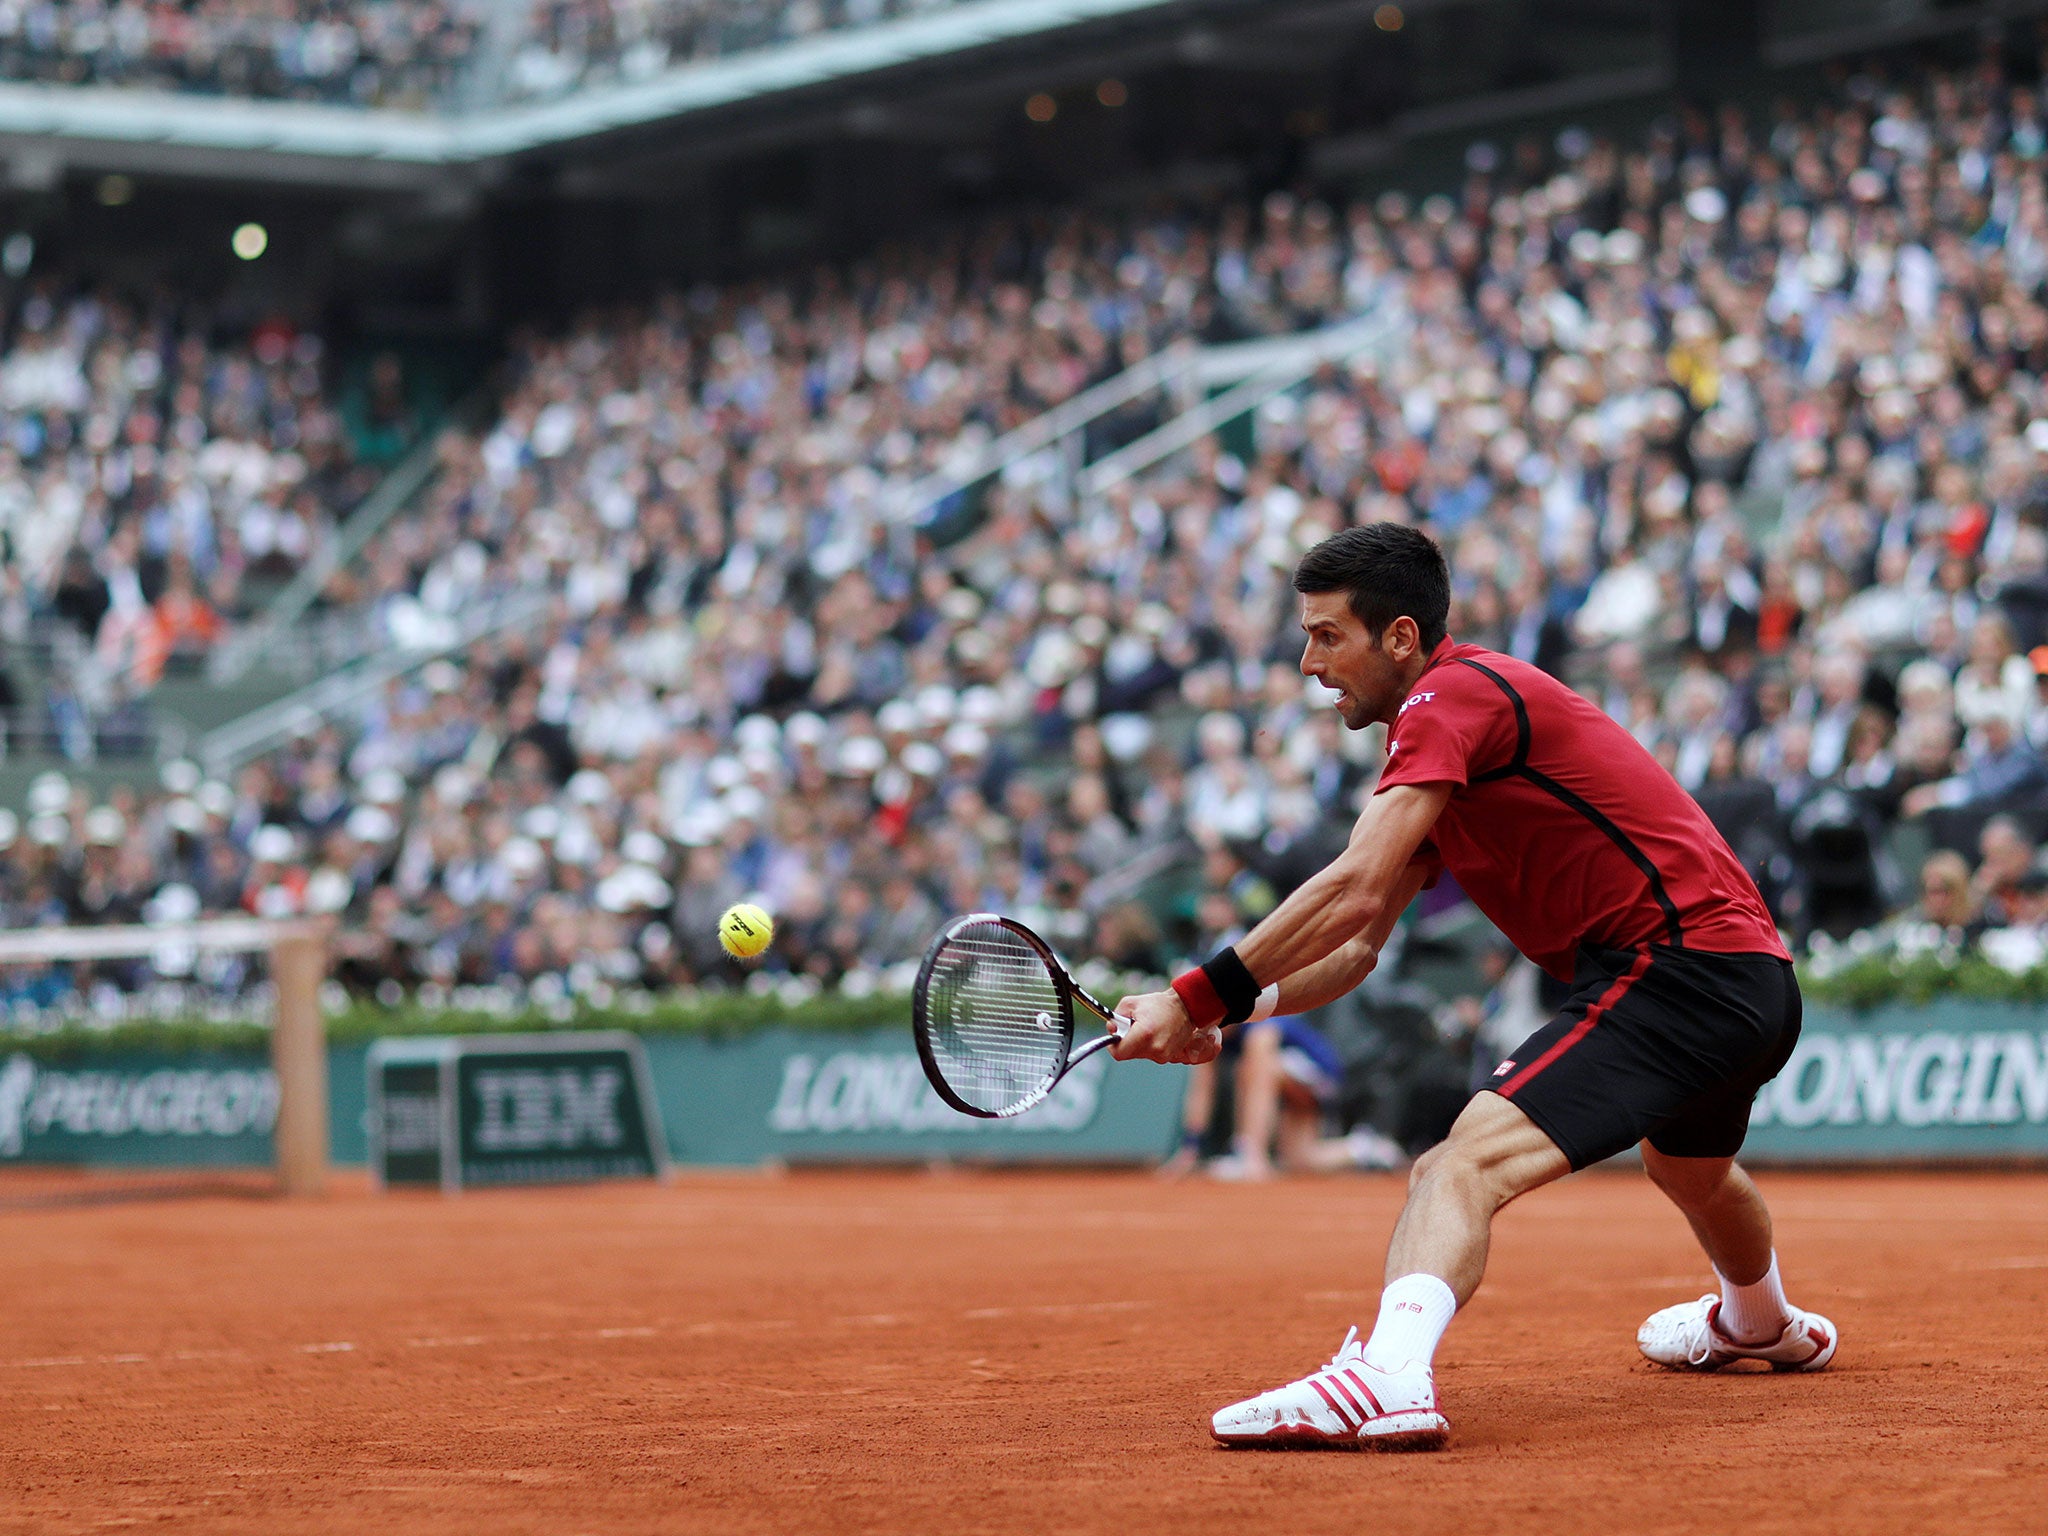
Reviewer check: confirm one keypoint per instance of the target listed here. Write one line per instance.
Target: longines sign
(1933, 1078)
(859, 1092)
(1941, 1089)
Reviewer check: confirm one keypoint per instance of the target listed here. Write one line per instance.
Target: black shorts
(1665, 1045)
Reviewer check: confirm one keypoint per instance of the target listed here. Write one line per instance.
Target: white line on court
(690, 1330)
(2028, 1263)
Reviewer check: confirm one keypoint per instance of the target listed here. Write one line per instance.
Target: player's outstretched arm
(1358, 896)
(1336, 974)
(1354, 893)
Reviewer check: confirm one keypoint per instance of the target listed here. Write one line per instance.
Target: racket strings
(997, 1018)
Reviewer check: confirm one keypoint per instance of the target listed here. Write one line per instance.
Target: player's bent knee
(1424, 1164)
(1463, 1172)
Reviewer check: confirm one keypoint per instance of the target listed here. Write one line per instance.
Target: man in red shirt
(1592, 860)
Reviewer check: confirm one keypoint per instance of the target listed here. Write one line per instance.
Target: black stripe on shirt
(1519, 768)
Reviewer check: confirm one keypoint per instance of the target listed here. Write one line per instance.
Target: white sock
(1755, 1313)
(1414, 1312)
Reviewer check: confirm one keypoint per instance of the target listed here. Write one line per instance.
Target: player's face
(1343, 655)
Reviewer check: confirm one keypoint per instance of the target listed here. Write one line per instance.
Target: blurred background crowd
(576, 44)
(1737, 424)
(406, 55)
(366, 53)
(157, 483)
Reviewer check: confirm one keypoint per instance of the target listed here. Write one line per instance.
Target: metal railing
(1256, 371)
(226, 747)
(1171, 370)
(274, 632)
(1284, 365)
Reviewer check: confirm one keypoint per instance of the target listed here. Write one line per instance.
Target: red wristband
(1198, 995)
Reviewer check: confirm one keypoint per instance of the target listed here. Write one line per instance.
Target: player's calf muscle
(1493, 1154)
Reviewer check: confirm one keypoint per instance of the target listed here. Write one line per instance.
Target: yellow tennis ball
(745, 930)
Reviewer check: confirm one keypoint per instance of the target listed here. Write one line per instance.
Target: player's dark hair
(1390, 571)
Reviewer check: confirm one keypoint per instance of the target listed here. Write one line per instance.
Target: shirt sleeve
(1447, 734)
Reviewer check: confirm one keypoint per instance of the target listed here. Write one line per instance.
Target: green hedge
(681, 1013)
(1844, 978)
(698, 1013)
(1914, 963)
(76, 1042)
(1871, 981)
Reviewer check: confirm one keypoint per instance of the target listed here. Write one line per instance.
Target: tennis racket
(993, 1012)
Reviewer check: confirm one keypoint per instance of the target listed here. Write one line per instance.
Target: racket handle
(1100, 1043)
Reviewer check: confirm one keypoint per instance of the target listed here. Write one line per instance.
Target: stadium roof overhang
(45, 129)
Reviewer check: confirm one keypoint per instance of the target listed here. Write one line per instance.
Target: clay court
(982, 1352)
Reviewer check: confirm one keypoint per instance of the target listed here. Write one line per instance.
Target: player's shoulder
(1466, 674)
(1460, 682)
(1540, 702)
(1499, 678)
(1477, 660)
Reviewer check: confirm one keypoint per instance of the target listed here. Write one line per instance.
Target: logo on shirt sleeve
(1413, 700)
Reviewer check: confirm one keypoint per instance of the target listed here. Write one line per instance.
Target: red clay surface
(986, 1352)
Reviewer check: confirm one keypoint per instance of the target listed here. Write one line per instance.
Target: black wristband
(1233, 983)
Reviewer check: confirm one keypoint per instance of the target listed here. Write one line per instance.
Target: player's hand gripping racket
(993, 1013)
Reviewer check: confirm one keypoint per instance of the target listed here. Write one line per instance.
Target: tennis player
(1592, 860)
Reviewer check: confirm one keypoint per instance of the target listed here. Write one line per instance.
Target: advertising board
(465, 1111)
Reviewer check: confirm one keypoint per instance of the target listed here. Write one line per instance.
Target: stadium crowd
(1739, 427)
(576, 44)
(390, 53)
(410, 55)
(153, 480)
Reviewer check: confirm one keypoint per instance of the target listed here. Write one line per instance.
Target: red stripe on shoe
(1608, 999)
(1376, 1408)
(1345, 1392)
(1343, 1417)
(1821, 1341)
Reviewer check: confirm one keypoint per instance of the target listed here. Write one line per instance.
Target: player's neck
(1409, 674)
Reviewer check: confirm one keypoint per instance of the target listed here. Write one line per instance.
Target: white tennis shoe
(1688, 1337)
(1348, 1405)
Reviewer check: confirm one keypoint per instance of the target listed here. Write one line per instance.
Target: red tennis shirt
(1560, 826)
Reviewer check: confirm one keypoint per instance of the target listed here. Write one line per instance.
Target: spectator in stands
(185, 627)
(390, 55)
(1999, 766)
(80, 596)
(1947, 906)
(2006, 860)
(1838, 678)
(1997, 680)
